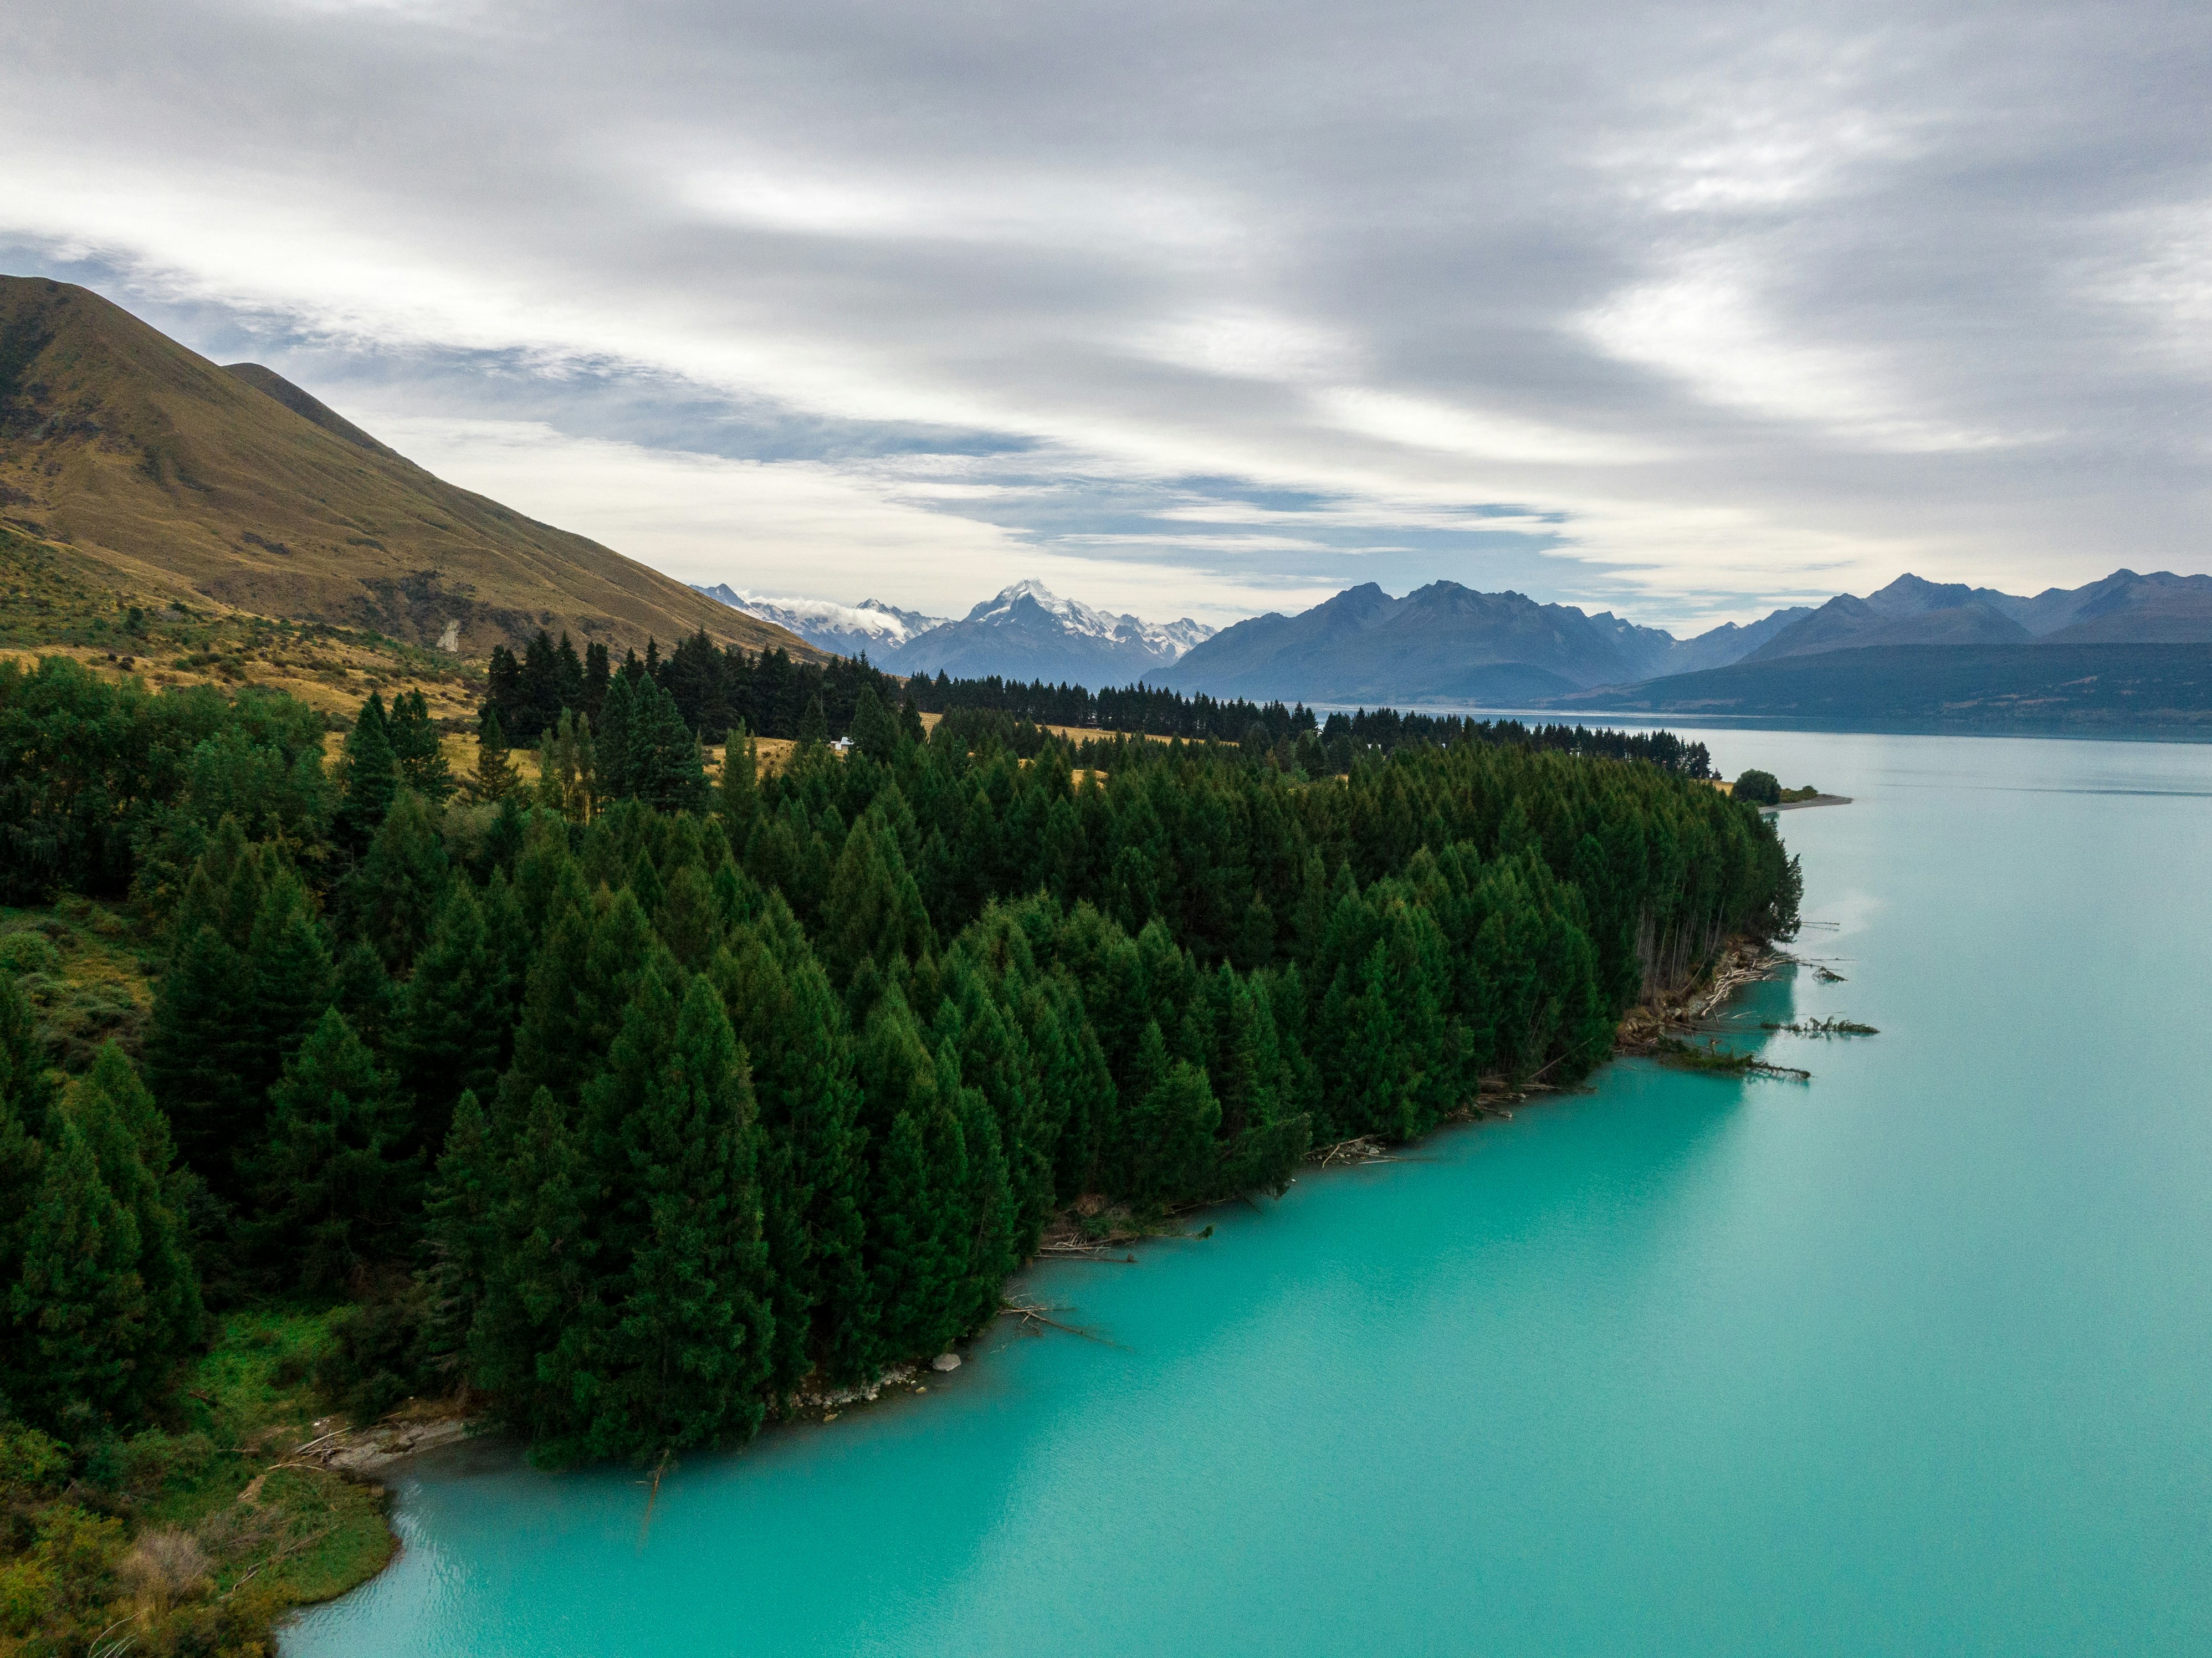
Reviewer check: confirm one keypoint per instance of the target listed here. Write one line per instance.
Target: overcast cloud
(1688, 311)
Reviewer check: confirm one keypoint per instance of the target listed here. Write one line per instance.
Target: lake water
(1916, 1357)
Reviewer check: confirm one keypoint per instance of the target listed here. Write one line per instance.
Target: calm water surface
(1914, 1358)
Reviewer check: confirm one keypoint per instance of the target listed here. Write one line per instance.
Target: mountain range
(1026, 632)
(1447, 643)
(177, 479)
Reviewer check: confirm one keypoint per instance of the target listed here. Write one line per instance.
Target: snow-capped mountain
(1028, 632)
(849, 630)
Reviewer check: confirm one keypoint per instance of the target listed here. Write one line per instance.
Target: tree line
(1152, 710)
(634, 1100)
(713, 688)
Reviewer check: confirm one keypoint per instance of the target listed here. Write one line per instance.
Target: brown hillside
(182, 478)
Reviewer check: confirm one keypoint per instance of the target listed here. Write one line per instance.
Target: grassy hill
(183, 480)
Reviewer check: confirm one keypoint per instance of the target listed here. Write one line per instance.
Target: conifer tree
(371, 774)
(919, 1230)
(365, 994)
(740, 789)
(131, 1144)
(77, 1316)
(289, 979)
(874, 732)
(567, 676)
(813, 1174)
(688, 919)
(989, 1211)
(541, 1302)
(416, 748)
(26, 1094)
(545, 874)
(199, 1046)
(691, 1336)
(664, 766)
(334, 1185)
(1171, 1122)
(507, 941)
(995, 1061)
(495, 778)
(452, 1020)
(814, 724)
(222, 891)
(567, 769)
(644, 882)
(616, 717)
(874, 908)
(580, 985)
(460, 1235)
(395, 894)
(597, 676)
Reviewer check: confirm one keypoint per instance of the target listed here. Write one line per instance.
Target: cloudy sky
(1207, 308)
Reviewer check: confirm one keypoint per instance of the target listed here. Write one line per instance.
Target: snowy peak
(1027, 604)
(1026, 631)
(871, 625)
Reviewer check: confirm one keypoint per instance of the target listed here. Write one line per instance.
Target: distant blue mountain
(1445, 643)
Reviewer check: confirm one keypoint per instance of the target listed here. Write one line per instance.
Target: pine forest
(632, 1102)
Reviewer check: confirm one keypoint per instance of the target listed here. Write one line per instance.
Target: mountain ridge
(179, 478)
(1026, 631)
(1448, 643)
(1445, 642)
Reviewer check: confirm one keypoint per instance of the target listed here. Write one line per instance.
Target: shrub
(24, 953)
(1761, 788)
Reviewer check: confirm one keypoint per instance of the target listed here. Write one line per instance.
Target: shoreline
(363, 1454)
(1817, 800)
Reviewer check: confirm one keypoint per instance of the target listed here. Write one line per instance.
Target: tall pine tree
(369, 773)
(394, 896)
(690, 1339)
(417, 750)
(335, 1189)
(76, 1314)
(452, 1019)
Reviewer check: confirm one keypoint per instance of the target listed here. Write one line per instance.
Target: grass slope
(54, 601)
(181, 479)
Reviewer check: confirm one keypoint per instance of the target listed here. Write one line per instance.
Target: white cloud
(1709, 324)
(1426, 423)
(1728, 309)
(703, 518)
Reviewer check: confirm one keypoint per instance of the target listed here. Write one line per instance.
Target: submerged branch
(1712, 1057)
(1032, 1314)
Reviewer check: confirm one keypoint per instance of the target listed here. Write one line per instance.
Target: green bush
(1761, 788)
(24, 953)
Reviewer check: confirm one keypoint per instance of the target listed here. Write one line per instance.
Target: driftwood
(652, 1485)
(1363, 1147)
(1031, 1316)
(1832, 1026)
(1688, 1056)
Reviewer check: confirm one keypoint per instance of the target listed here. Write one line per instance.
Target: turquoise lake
(1914, 1358)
